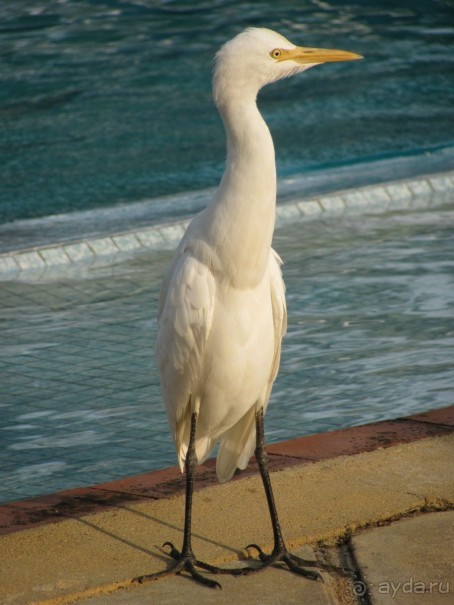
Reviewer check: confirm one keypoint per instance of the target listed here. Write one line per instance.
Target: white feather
(222, 306)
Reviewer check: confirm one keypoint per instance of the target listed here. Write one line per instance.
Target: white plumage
(222, 310)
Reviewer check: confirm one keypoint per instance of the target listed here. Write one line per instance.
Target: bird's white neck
(243, 212)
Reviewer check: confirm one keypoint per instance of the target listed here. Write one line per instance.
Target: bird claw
(185, 562)
(174, 552)
(262, 555)
(293, 562)
(294, 566)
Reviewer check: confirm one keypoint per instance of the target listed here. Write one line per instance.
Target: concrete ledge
(169, 482)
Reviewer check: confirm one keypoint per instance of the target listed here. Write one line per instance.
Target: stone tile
(409, 561)
(54, 256)
(103, 246)
(420, 187)
(79, 251)
(310, 208)
(126, 242)
(8, 264)
(378, 196)
(151, 238)
(172, 233)
(398, 191)
(30, 260)
(440, 183)
(355, 200)
(286, 213)
(334, 204)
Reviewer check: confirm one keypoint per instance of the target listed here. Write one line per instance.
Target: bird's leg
(185, 559)
(280, 552)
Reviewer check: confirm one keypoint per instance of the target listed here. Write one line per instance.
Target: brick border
(74, 503)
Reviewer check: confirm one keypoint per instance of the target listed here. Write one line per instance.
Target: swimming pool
(370, 301)
(106, 103)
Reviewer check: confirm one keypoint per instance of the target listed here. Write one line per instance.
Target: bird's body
(234, 358)
(222, 313)
(222, 310)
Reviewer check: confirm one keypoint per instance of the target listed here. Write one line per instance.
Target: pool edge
(169, 482)
(394, 195)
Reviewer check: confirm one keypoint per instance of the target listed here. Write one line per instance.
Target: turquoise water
(371, 331)
(108, 102)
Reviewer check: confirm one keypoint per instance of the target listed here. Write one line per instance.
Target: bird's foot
(185, 561)
(294, 563)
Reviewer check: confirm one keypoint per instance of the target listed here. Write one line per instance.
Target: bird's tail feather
(203, 448)
(236, 448)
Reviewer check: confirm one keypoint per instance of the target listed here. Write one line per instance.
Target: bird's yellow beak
(304, 55)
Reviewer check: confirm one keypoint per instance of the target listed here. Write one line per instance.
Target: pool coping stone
(421, 192)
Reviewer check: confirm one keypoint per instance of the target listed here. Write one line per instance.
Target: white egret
(222, 312)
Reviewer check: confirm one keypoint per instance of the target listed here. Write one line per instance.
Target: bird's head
(259, 56)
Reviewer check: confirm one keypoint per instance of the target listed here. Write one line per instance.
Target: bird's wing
(238, 442)
(185, 320)
(279, 309)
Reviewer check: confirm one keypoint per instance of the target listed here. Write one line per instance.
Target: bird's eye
(276, 53)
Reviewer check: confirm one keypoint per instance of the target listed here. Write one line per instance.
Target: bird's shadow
(159, 552)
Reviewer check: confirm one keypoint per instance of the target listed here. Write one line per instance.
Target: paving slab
(94, 555)
(408, 562)
(274, 587)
